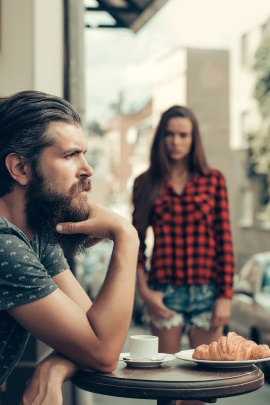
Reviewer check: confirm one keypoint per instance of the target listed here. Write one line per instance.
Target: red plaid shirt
(193, 241)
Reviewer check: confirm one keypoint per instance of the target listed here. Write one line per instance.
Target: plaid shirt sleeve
(222, 229)
(142, 235)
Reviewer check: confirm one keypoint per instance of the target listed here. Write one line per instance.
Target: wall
(251, 236)
(127, 149)
(31, 55)
(48, 46)
(170, 82)
(249, 239)
(241, 74)
(208, 97)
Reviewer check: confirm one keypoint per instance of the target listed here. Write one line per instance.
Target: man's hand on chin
(45, 385)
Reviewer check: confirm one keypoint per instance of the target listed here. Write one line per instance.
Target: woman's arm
(225, 256)
(221, 312)
(153, 299)
(223, 238)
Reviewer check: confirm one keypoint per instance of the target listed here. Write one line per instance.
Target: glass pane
(266, 277)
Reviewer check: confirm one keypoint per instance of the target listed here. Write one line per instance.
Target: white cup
(143, 346)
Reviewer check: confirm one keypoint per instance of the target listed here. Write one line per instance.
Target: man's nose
(86, 169)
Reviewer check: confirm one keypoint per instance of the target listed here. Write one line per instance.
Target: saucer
(146, 363)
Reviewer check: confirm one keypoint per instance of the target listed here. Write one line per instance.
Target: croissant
(231, 347)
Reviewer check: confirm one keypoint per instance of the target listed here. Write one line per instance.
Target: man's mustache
(84, 185)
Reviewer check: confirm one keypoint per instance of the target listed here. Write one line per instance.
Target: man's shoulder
(12, 240)
(8, 229)
(4, 224)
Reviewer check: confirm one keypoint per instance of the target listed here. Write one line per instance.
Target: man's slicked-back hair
(24, 119)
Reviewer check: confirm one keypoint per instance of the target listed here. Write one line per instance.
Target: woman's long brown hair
(147, 186)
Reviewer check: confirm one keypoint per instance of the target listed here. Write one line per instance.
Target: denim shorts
(193, 305)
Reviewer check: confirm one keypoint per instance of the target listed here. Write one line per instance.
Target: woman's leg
(198, 336)
(169, 341)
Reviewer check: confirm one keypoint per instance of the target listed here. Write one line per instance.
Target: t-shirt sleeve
(53, 259)
(23, 278)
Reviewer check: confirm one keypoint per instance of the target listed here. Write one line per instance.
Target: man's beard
(45, 208)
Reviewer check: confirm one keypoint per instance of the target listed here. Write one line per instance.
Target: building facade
(251, 227)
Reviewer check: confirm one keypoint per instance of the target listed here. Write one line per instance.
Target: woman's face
(178, 138)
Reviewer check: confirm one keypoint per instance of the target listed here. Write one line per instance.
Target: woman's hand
(154, 302)
(153, 299)
(221, 312)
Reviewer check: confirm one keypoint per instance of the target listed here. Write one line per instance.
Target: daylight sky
(117, 60)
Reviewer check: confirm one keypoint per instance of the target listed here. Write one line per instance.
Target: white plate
(162, 357)
(187, 355)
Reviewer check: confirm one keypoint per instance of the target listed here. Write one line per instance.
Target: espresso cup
(143, 347)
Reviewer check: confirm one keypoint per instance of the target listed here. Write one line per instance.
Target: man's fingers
(70, 227)
(67, 228)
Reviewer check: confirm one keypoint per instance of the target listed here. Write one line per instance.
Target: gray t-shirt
(26, 271)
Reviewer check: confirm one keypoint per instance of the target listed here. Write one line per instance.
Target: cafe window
(245, 126)
(247, 203)
(244, 49)
(251, 274)
(266, 29)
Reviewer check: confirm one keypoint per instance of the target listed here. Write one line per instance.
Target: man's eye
(70, 155)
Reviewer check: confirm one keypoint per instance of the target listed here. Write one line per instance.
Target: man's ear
(18, 168)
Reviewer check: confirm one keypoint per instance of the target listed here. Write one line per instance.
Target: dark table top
(175, 379)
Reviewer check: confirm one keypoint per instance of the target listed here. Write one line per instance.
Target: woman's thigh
(169, 339)
(199, 336)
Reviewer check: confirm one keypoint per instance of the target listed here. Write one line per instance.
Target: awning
(132, 14)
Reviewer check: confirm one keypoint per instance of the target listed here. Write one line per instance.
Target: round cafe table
(172, 380)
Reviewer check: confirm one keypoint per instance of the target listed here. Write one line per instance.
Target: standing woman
(189, 285)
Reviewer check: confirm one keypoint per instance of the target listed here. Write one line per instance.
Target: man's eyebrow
(74, 150)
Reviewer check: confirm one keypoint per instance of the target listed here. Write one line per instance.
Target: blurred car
(251, 302)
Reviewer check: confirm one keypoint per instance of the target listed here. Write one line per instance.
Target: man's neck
(12, 208)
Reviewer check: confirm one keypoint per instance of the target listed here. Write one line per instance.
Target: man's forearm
(45, 385)
(111, 311)
(58, 367)
(142, 282)
(110, 315)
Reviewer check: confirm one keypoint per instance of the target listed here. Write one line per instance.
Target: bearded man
(44, 210)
